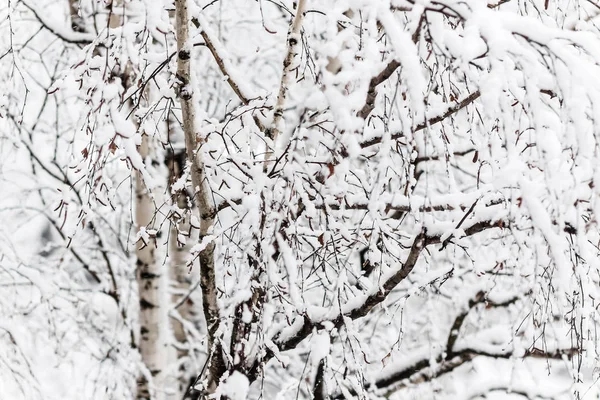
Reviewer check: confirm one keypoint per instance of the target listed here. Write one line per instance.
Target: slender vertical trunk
(154, 303)
(201, 191)
(152, 280)
(294, 44)
(242, 330)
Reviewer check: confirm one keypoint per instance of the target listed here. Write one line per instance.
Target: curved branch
(422, 370)
(377, 80)
(66, 35)
(429, 121)
(479, 298)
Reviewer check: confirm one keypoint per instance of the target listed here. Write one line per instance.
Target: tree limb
(377, 80)
(66, 35)
(220, 56)
(384, 75)
(422, 370)
(429, 121)
(479, 298)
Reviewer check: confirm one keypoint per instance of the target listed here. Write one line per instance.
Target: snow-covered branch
(59, 30)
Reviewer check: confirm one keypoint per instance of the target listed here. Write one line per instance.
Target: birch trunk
(201, 191)
(294, 39)
(152, 280)
(153, 336)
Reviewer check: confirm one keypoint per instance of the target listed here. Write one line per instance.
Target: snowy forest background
(308, 199)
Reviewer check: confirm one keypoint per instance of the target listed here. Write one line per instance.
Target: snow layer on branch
(235, 387)
(486, 121)
(407, 54)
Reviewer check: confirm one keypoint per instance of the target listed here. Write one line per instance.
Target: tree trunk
(152, 281)
(206, 210)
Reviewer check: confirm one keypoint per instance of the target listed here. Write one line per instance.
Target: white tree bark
(152, 281)
(294, 40)
(206, 210)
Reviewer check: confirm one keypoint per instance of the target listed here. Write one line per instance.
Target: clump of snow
(235, 387)
(319, 347)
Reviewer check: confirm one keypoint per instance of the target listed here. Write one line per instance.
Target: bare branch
(430, 121)
(220, 56)
(383, 76)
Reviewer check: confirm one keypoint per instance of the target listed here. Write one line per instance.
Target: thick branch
(227, 72)
(422, 371)
(383, 76)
